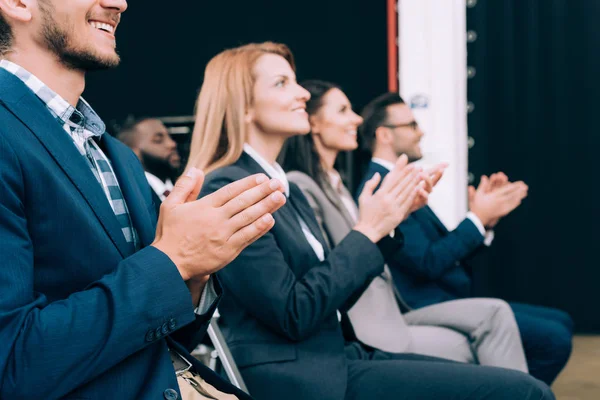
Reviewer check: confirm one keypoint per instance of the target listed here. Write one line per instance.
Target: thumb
(185, 188)
(484, 184)
(471, 191)
(193, 196)
(370, 186)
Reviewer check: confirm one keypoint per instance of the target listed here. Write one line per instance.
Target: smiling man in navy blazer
(98, 300)
(433, 265)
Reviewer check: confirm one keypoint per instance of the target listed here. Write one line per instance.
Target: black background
(536, 115)
(165, 46)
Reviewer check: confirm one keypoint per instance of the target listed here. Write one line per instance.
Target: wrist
(179, 264)
(196, 287)
(483, 218)
(370, 233)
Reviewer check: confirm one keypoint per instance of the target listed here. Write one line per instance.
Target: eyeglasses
(412, 125)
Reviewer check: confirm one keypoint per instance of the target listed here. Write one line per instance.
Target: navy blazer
(80, 316)
(278, 312)
(432, 267)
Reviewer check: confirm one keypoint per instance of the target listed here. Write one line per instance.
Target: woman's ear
(248, 117)
(315, 124)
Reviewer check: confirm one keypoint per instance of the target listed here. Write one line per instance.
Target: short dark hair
(128, 130)
(6, 36)
(374, 115)
(299, 152)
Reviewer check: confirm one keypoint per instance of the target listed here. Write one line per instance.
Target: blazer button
(150, 336)
(165, 329)
(170, 394)
(172, 324)
(158, 332)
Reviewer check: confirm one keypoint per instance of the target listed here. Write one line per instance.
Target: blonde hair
(226, 94)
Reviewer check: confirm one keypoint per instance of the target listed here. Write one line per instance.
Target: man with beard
(150, 141)
(98, 299)
(433, 266)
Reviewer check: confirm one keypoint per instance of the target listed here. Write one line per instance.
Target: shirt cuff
(208, 297)
(477, 222)
(488, 236)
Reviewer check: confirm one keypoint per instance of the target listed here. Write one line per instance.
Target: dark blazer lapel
(299, 204)
(30, 110)
(130, 187)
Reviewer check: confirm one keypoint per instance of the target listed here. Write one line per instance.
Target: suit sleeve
(430, 259)
(191, 334)
(295, 307)
(49, 348)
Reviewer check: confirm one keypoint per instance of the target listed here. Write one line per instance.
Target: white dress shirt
(275, 171)
(488, 235)
(159, 186)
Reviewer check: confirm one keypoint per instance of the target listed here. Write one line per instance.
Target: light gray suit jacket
(376, 316)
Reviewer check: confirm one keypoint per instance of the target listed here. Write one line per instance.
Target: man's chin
(414, 157)
(90, 62)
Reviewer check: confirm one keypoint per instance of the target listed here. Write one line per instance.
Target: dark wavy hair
(299, 152)
(5, 36)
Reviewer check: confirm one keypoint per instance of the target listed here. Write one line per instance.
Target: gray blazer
(336, 222)
(376, 316)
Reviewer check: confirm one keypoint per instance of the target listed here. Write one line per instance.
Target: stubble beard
(58, 41)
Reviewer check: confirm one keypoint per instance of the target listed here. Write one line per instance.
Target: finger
(497, 180)
(249, 234)
(248, 216)
(407, 190)
(251, 197)
(484, 184)
(422, 195)
(184, 187)
(437, 176)
(426, 182)
(234, 189)
(196, 191)
(405, 205)
(408, 183)
(502, 177)
(370, 186)
(472, 191)
(438, 168)
(509, 189)
(400, 170)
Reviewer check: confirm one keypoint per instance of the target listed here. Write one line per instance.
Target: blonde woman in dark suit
(480, 331)
(282, 293)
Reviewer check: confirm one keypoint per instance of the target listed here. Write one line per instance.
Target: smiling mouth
(102, 26)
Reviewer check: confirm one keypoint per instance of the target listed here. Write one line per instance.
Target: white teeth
(353, 133)
(300, 110)
(102, 26)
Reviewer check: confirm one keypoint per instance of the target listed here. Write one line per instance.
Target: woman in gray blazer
(480, 331)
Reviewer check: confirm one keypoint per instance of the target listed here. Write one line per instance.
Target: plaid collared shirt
(83, 125)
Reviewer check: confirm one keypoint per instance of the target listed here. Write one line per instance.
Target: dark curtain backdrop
(165, 47)
(536, 108)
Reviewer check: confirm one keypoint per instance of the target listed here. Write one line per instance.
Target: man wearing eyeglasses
(432, 267)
